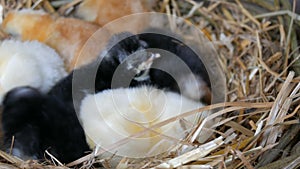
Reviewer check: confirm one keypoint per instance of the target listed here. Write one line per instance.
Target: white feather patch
(28, 64)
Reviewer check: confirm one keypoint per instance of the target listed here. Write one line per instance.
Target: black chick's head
(20, 95)
(139, 63)
(122, 45)
(130, 57)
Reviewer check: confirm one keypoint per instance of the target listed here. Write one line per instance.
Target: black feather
(39, 122)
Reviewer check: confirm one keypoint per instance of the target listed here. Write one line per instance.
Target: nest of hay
(258, 47)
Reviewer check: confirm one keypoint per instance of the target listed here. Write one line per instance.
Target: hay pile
(258, 47)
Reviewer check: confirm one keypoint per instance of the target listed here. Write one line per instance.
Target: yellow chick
(29, 63)
(112, 115)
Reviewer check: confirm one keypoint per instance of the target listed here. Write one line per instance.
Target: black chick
(127, 61)
(20, 122)
(123, 64)
(38, 123)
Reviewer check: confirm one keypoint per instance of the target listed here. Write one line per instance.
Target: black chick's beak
(142, 69)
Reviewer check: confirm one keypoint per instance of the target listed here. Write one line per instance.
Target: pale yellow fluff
(113, 115)
(28, 63)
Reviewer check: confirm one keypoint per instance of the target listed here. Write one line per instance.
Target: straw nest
(258, 49)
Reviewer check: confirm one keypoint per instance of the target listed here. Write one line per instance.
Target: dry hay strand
(259, 53)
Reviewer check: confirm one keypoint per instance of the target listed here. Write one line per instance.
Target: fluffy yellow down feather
(28, 63)
(116, 114)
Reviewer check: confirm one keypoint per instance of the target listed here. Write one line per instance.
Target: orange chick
(66, 35)
(103, 12)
